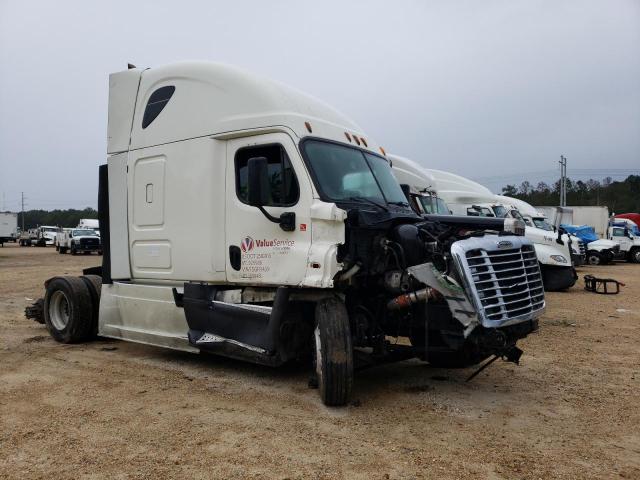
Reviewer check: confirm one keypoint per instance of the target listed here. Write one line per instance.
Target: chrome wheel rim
(593, 260)
(59, 310)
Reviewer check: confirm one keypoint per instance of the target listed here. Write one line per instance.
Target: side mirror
(258, 193)
(257, 180)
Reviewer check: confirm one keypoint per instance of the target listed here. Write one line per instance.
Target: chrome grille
(583, 249)
(504, 277)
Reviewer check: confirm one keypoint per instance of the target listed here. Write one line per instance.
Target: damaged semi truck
(308, 247)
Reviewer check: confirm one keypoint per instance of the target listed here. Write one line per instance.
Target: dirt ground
(112, 409)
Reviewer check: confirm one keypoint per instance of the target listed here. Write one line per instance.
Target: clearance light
(308, 125)
(364, 141)
(383, 152)
(356, 139)
(348, 136)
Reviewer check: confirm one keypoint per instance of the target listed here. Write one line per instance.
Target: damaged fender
(460, 306)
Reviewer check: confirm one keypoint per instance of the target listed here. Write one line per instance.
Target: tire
(73, 250)
(57, 248)
(556, 279)
(333, 352)
(634, 255)
(68, 311)
(594, 258)
(94, 284)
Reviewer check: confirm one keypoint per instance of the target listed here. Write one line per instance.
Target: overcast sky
(492, 90)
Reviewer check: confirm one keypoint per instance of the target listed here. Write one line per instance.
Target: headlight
(559, 258)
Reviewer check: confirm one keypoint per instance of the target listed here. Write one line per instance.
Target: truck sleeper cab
(307, 244)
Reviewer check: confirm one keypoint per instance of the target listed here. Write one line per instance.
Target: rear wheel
(333, 352)
(68, 310)
(634, 255)
(594, 258)
(94, 284)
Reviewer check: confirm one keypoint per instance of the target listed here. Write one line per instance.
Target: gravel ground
(112, 409)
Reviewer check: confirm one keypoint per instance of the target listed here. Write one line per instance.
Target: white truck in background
(596, 252)
(79, 240)
(8, 227)
(466, 197)
(307, 246)
(629, 243)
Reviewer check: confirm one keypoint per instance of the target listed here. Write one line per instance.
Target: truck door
(259, 251)
(618, 235)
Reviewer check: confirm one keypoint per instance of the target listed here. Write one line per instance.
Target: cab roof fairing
(413, 174)
(211, 99)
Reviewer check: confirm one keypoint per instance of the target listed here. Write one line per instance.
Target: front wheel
(594, 258)
(634, 255)
(333, 352)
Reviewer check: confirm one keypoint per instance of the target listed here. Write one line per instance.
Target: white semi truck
(306, 242)
(466, 197)
(8, 227)
(596, 252)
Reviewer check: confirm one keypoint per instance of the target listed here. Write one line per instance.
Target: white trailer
(8, 227)
(305, 241)
(89, 223)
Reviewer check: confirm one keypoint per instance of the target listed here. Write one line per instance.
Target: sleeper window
(284, 190)
(157, 101)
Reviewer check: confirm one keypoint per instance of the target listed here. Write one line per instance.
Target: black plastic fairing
(103, 222)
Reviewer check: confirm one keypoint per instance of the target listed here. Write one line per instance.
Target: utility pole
(23, 211)
(563, 181)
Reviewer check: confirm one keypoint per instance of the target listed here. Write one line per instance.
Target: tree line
(619, 196)
(57, 218)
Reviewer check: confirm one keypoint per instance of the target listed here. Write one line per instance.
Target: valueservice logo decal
(247, 244)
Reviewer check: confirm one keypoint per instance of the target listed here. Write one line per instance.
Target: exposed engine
(420, 278)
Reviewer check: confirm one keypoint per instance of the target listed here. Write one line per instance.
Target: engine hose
(350, 273)
(407, 299)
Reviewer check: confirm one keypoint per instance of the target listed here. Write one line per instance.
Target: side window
(157, 101)
(618, 232)
(284, 190)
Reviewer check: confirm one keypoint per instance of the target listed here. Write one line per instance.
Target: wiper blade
(401, 204)
(368, 200)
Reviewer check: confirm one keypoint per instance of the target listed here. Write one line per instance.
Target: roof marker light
(364, 141)
(356, 139)
(348, 136)
(383, 152)
(308, 125)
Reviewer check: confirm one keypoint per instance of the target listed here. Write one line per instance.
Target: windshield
(434, 205)
(84, 233)
(543, 224)
(476, 211)
(346, 173)
(49, 229)
(500, 211)
(516, 214)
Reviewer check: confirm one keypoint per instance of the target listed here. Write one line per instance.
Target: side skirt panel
(144, 314)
